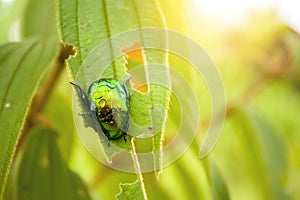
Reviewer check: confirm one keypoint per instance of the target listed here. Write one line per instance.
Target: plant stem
(40, 98)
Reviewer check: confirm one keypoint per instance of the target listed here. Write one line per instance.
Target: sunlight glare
(236, 11)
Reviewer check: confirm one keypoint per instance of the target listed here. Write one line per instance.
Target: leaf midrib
(77, 31)
(108, 33)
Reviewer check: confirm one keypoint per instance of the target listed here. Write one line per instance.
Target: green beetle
(107, 102)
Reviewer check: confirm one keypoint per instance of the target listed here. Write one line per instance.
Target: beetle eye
(102, 103)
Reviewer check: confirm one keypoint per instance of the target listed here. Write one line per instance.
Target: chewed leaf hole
(135, 57)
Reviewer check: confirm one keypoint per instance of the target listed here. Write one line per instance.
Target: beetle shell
(110, 102)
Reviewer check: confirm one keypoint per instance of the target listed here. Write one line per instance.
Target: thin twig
(40, 99)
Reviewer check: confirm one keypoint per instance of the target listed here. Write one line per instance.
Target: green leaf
(265, 155)
(85, 25)
(186, 178)
(219, 187)
(39, 19)
(43, 173)
(21, 67)
(130, 191)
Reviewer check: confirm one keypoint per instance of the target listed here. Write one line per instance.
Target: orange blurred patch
(135, 57)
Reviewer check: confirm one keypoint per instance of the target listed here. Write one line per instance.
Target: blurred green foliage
(257, 156)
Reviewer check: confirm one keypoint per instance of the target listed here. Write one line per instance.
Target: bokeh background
(256, 48)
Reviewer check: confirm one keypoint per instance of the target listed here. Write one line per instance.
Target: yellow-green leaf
(21, 67)
(87, 24)
(43, 174)
(264, 167)
(130, 191)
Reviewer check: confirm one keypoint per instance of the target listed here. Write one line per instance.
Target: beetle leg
(84, 113)
(124, 85)
(80, 89)
(93, 107)
(108, 142)
(108, 138)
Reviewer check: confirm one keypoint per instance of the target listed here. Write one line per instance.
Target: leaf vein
(77, 31)
(14, 74)
(108, 33)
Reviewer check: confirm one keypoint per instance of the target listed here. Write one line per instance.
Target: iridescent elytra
(108, 101)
